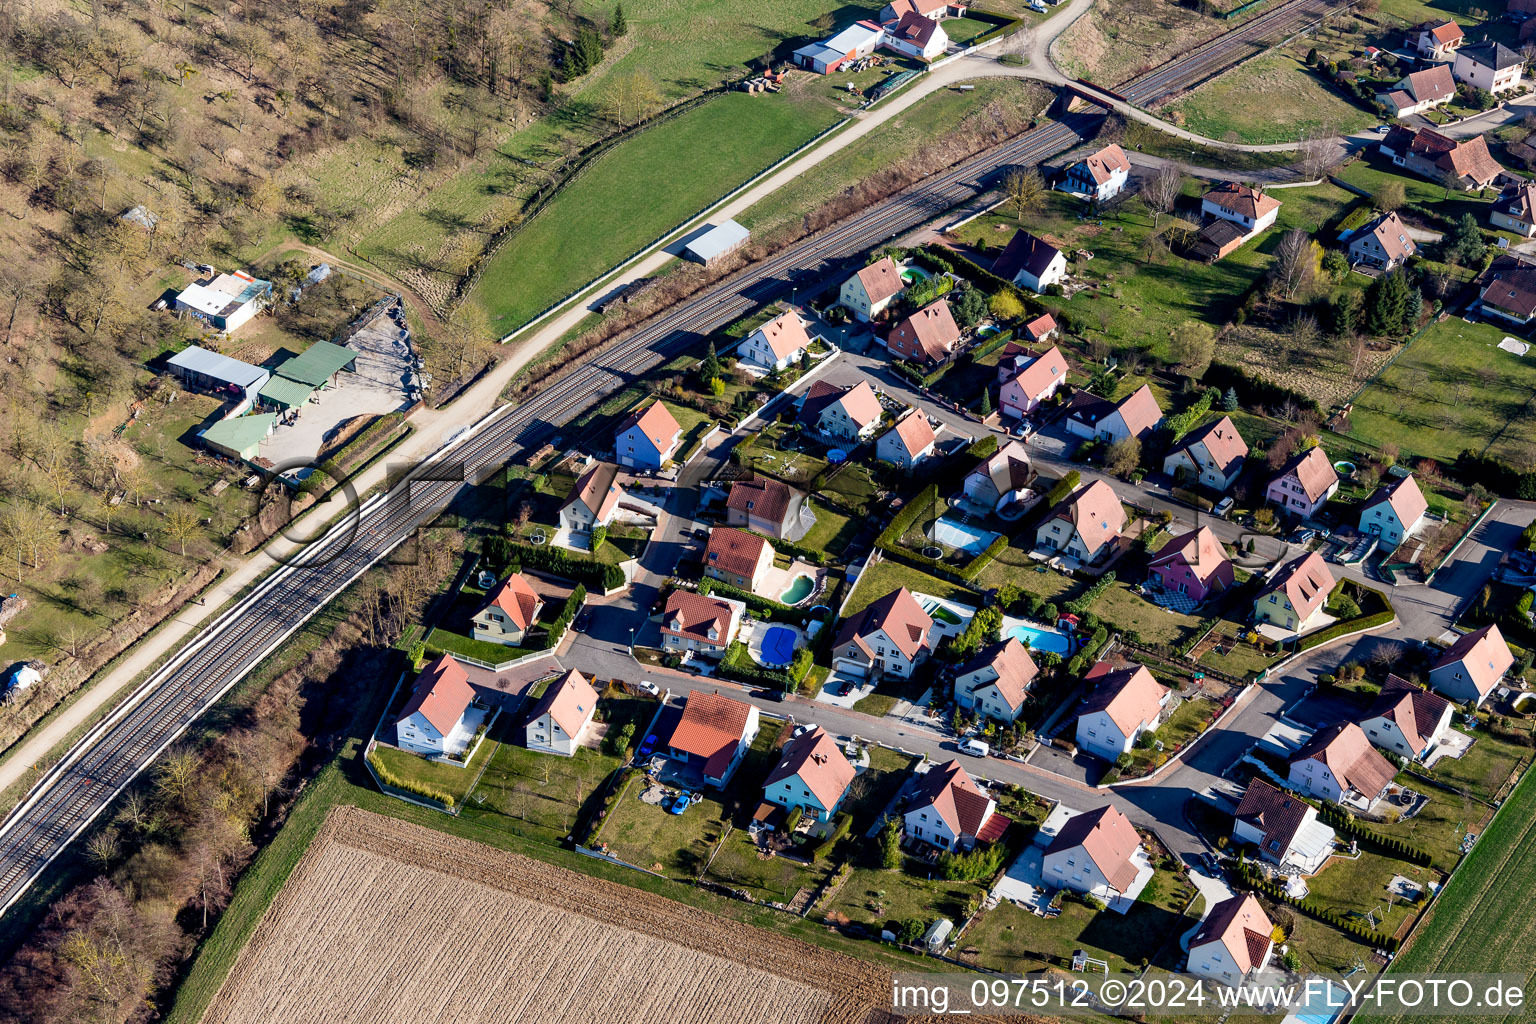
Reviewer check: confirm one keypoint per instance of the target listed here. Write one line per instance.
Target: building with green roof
(317, 364)
(283, 394)
(240, 437)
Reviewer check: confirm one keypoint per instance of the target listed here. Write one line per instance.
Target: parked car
(768, 693)
(1222, 508)
(975, 747)
(701, 533)
(679, 804)
(649, 687)
(583, 621)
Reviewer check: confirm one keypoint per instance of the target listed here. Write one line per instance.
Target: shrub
(840, 826)
(557, 628)
(890, 844)
(979, 863)
(792, 820)
(394, 781)
(1064, 487)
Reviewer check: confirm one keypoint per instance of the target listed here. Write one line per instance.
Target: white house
(1136, 415)
(1123, 704)
(432, 721)
(1490, 66)
(559, 720)
(995, 683)
(1283, 827)
(1248, 208)
(1086, 526)
(1515, 210)
(1435, 40)
(1304, 484)
(777, 344)
(908, 444)
(1235, 940)
(510, 611)
(916, 36)
(593, 500)
(1030, 262)
(713, 735)
(1338, 764)
(889, 636)
(934, 9)
(226, 302)
(1420, 91)
(812, 775)
(869, 292)
(844, 414)
(1473, 666)
(949, 811)
(1211, 457)
(1394, 512)
(1098, 853)
(697, 622)
(1099, 176)
(1036, 379)
(648, 439)
(1383, 244)
(1000, 479)
(1407, 719)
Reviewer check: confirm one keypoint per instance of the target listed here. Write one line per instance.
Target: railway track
(106, 760)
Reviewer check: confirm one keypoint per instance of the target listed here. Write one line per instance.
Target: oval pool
(799, 590)
(1040, 638)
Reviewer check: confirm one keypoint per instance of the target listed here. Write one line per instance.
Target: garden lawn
(832, 531)
(737, 863)
(648, 836)
(1357, 887)
(1485, 768)
(1240, 658)
(1123, 610)
(1439, 826)
(1015, 566)
(1453, 389)
(659, 178)
(1273, 98)
(469, 647)
(1188, 720)
(873, 896)
(541, 795)
(451, 779)
(885, 576)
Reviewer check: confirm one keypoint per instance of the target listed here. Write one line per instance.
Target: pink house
(1194, 564)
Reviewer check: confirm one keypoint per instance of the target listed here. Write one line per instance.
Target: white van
(974, 747)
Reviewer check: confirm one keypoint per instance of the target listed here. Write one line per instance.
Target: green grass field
(883, 577)
(1273, 98)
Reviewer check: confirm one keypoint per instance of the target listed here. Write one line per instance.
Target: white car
(649, 687)
(975, 747)
(1222, 507)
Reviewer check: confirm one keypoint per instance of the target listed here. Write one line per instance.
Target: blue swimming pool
(1039, 638)
(973, 540)
(778, 648)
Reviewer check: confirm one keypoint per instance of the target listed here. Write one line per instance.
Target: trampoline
(778, 647)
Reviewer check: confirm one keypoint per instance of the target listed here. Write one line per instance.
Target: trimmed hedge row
(394, 781)
(891, 536)
(1342, 822)
(555, 630)
(1339, 629)
(840, 827)
(1085, 600)
(558, 561)
(737, 665)
(773, 610)
(1314, 908)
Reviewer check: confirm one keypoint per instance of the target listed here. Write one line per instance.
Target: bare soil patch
(1115, 42)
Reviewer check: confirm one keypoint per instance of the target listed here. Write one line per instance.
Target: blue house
(813, 776)
(647, 440)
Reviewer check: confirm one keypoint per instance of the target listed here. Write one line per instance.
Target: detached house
(1304, 484)
(1393, 512)
(1123, 704)
(1235, 940)
(432, 721)
(908, 444)
(890, 636)
(1420, 91)
(1435, 40)
(764, 505)
(927, 337)
(948, 810)
(1136, 415)
(1516, 210)
(1473, 666)
(845, 414)
(648, 439)
(933, 9)
(812, 775)
(1041, 328)
(1509, 293)
(867, 293)
(560, 719)
(1001, 478)
(699, 622)
(1383, 244)
(1338, 764)
(713, 735)
(1030, 262)
(916, 36)
(1490, 66)
(1098, 176)
(1085, 526)
(1293, 596)
(1248, 208)
(737, 557)
(1034, 380)
(777, 344)
(1429, 154)
(510, 611)
(1098, 853)
(1284, 827)
(593, 500)
(1407, 719)
(995, 683)
(1194, 564)
(1211, 457)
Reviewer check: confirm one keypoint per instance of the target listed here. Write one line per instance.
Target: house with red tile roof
(1283, 827)
(949, 811)
(1136, 415)
(1509, 290)
(1438, 157)
(510, 611)
(1304, 484)
(1245, 206)
(594, 499)
(432, 721)
(558, 723)
(870, 292)
(713, 735)
(1406, 719)
(1030, 262)
(1211, 457)
(812, 774)
(776, 344)
(1435, 40)
(1000, 479)
(1099, 176)
(700, 622)
(1338, 764)
(1085, 526)
(648, 438)
(1383, 243)
(1515, 209)
(1041, 328)
(927, 337)
(916, 36)
(1120, 706)
(1420, 91)
(1292, 598)
(764, 505)
(910, 443)
(1034, 380)
(1473, 666)
(1394, 512)
(737, 557)
(1234, 942)
(934, 9)
(995, 682)
(890, 636)
(1098, 853)
(846, 414)
(1193, 563)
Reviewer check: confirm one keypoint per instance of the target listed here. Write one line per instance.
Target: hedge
(1081, 603)
(840, 826)
(1315, 909)
(903, 519)
(770, 609)
(737, 665)
(915, 374)
(1182, 423)
(582, 568)
(1342, 822)
(394, 781)
(1339, 629)
(1497, 476)
(1183, 647)
(992, 344)
(555, 630)
(1064, 487)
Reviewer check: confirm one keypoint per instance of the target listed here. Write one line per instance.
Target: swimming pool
(799, 590)
(778, 647)
(1039, 638)
(973, 540)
